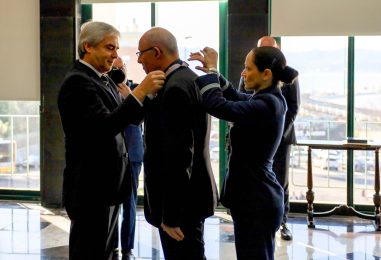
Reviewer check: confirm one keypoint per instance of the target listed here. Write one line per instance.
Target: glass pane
(214, 149)
(201, 30)
(367, 113)
(19, 145)
(132, 20)
(322, 63)
(194, 38)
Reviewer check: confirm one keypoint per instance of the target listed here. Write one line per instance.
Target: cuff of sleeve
(140, 103)
(207, 82)
(207, 79)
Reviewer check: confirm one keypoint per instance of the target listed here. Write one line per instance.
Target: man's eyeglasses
(139, 53)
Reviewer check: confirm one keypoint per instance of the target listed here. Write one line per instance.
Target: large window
(367, 107)
(322, 66)
(19, 145)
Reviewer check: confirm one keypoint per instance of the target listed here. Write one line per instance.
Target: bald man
(179, 188)
(281, 163)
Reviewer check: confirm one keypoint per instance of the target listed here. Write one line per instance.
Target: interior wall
(325, 17)
(247, 22)
(20, 50)
(59, 30)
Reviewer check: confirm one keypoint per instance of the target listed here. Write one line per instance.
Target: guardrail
(19, 144)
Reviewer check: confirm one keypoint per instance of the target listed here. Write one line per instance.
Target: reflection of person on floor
(179, 188)
(250, 191)
(281, 163)
(93, 118)
(134, 144)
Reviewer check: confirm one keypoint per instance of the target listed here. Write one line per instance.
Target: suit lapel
(101, 88)
(107, 91)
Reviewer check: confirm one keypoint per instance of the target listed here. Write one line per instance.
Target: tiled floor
(28, 231)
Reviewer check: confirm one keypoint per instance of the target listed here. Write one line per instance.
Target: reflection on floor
(29, 231)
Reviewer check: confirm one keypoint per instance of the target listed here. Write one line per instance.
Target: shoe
(128, 255)
(285, 233)
(115, 254)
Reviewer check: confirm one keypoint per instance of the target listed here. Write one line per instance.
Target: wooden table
(342, 145)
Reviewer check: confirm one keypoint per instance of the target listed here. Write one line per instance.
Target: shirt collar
(91, 67)
(174, 66)
(178, 61)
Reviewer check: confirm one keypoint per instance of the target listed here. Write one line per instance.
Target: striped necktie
(111, 89)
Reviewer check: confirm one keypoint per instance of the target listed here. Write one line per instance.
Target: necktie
(111, 89)
(105, 80)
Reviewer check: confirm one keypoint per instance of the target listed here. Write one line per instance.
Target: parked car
(32, 160)
(298, 159)
(215, 154)
(362, 163)
(332, 163)
(330, 159)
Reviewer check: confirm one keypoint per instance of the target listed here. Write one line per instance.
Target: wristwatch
(213, 71)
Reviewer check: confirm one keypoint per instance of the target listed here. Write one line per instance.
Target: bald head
(118, 62)
(267, 41)
(162, 38)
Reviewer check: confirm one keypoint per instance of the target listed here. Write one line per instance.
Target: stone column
(59, 24)
(247, 22)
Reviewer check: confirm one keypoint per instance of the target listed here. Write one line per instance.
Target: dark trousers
(190, 248)
(127, 235)
(281, 167)
(92, 233)
(254, 235)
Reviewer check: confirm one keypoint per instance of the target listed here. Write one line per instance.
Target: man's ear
(88, 48)
(158, 52)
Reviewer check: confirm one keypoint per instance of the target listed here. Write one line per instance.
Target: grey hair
(93, 33)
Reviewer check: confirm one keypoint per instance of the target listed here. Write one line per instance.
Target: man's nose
(114, 54)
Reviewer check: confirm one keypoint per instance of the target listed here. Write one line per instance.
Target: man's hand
(208, 58)
(174, 232)
(124, 90)
(151, 84)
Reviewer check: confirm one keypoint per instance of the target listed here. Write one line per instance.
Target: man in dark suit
(180, 191)
(281, 163)
(93, 118)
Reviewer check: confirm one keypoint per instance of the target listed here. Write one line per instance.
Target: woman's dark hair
(272, 58)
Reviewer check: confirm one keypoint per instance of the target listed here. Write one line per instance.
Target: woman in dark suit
(251, 190)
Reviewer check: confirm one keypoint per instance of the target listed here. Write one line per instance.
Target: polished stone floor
(29, 231)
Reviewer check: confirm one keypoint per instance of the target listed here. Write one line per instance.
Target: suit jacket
(291, 93)
(178, 176)
(93, 123)
(134, 138)
(258, 120)
(134, 142)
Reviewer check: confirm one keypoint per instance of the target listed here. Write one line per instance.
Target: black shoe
(128, 255)
(115, 254)
(285, 233)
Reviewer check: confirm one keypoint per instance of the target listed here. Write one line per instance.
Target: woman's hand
(208, 58)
